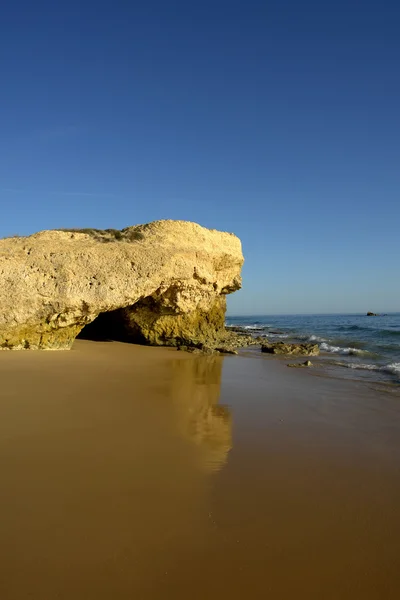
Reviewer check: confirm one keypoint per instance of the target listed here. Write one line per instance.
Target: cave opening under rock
(148, 322)
(111, 327)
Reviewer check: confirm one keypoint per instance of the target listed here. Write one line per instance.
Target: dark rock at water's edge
(290, 349)
(307, 363)
(371, 314)
(243, 330)
(226, 350)
(227, 342)
(236, 329)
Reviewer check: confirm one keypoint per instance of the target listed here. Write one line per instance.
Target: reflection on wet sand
(196, 389)
(104, 454)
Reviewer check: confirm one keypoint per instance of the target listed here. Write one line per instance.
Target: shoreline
(368, 350)
(323, 366)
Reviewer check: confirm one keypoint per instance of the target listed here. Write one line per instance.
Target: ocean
(354, 346)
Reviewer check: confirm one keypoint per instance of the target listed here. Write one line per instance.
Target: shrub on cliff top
(110, 235)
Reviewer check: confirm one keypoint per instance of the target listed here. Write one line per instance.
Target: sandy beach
(200, 301)
(140, 472)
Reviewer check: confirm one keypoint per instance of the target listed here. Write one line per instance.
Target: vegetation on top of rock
(129, 234)
(15, 235)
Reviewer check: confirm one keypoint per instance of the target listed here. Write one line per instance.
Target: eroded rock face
(151, 322)
(160, 283)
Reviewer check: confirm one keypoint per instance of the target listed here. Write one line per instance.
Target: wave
(360, 366)
(253, 327)
(316, 338)
(388, 333)
(354, 328)
(372, 330)
(341, 341)
(391, 369)
(339, 350)
(309, 338)
(391, 347)
(277, 335)
(244, 327)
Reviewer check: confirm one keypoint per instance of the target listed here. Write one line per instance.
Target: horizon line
(390, 312)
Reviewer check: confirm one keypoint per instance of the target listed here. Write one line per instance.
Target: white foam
(360, 366)
(309, 338)
(277, 335)
(316, 338)
(392, 369)
(246, 326)
(339, 350)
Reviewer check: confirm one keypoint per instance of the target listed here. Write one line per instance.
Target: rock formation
(307, 363)
(290, 349)
(161, 283)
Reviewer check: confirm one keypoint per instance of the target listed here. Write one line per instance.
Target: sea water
(369, 346)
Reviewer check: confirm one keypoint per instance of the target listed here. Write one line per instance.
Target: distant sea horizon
(314, 314)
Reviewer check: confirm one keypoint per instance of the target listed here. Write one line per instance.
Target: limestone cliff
(160, 283)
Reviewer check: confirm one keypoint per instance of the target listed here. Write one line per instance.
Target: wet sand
(132, 472)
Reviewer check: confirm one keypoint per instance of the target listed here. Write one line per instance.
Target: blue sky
(278, 121)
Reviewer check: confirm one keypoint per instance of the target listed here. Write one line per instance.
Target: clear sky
(276, 120)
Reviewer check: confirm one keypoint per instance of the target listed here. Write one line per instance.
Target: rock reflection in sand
(196, 389)
(105, 456)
